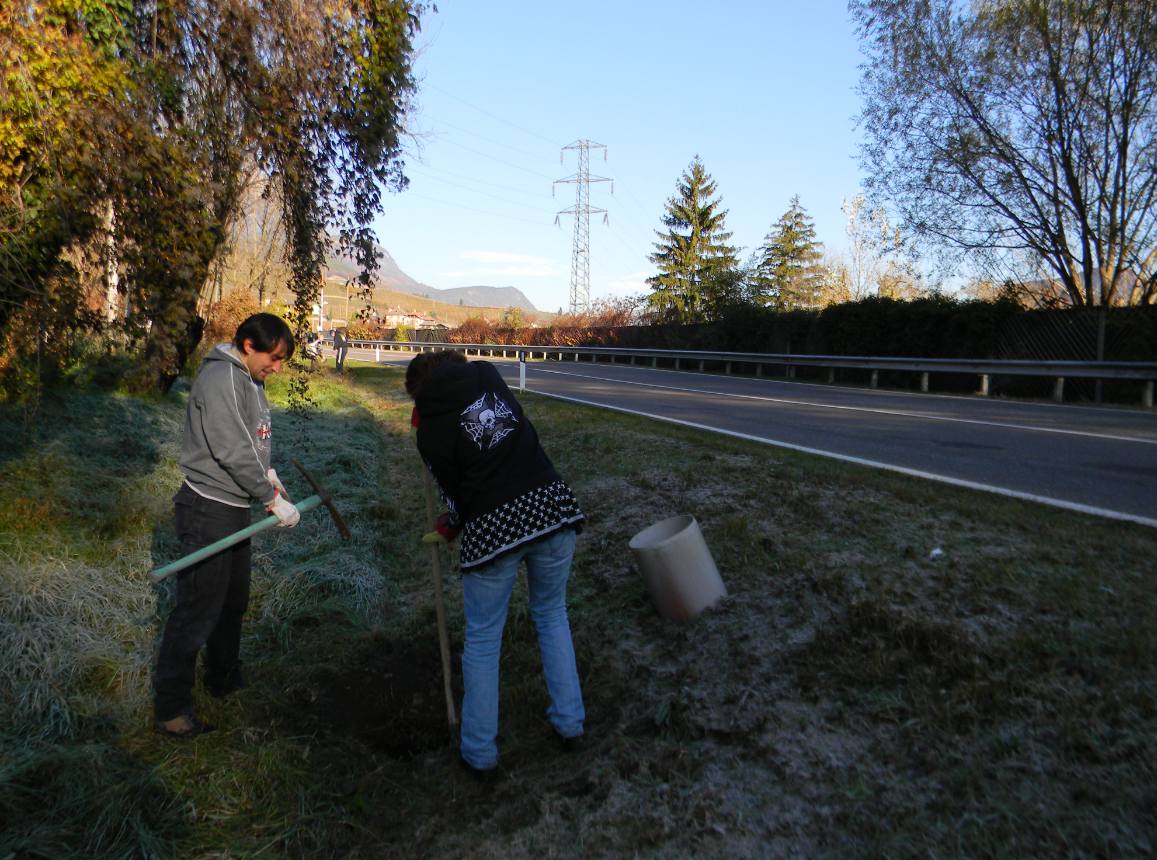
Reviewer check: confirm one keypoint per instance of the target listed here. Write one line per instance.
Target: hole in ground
(386, 694)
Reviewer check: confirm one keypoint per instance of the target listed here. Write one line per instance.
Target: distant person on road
(340, 348)
(510, 506)
(225, 458)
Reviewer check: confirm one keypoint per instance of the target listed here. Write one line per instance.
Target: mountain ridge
(391, 276)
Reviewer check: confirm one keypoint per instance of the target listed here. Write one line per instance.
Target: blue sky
(762, 92)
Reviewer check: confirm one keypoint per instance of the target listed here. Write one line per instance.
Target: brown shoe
(182, 726)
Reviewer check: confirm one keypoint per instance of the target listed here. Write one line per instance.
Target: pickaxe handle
(325, 499)
(440, 608)
(226, 542)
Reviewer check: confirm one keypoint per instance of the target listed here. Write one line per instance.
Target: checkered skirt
(526, 518)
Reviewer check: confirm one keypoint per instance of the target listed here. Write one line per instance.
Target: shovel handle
(204, 552)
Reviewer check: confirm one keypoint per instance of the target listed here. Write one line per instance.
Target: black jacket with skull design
(491, 470)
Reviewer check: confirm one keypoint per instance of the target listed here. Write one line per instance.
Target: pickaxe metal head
(325, 499)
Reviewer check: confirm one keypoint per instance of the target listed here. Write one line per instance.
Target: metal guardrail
(1142, 371)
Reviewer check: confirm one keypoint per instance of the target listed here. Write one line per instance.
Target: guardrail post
(831, 375)
(700, 365)
(924, 382)
(727, 368)
(632, 360)
(676, 364)
(875, 383)
(654, 361)
(983, 385)
(759, 371)
(791, 371)
(1059, 389)
(377, 354)
(1147, 395)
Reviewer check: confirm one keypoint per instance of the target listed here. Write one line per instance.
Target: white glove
(285, 511)
(277, 485)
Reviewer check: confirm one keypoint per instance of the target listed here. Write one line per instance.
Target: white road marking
(877, 411)
(916, 473)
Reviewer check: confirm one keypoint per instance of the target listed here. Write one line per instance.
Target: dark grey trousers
(212, 597)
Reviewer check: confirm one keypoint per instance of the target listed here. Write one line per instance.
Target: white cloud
(629, 284)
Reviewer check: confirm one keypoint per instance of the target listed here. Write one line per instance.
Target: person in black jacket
(509, 505)
(341, 345)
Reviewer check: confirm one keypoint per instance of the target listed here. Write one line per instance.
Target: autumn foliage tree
(134, 127)
(58, 70)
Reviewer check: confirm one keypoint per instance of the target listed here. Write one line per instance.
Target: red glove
(414, 418)
(446, 528)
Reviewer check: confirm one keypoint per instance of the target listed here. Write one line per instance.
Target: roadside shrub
(475, 330)
(221, 321)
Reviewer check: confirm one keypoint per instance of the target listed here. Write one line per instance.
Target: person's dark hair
(266, 331)
(423, 364)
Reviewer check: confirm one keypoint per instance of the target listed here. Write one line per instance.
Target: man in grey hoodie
(225, 457)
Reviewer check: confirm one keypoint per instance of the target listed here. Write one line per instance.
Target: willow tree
(312, 94)
(1021, 130)
(697, 268)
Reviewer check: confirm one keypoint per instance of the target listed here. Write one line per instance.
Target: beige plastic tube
(677, 567)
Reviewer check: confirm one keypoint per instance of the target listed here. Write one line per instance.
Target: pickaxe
(440, 608)
(322, 497)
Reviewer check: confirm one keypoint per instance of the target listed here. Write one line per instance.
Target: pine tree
(696, 265)
(789, 273)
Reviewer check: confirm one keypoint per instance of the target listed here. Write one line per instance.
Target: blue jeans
(486, 599)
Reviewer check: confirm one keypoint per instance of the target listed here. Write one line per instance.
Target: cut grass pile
(856, 695)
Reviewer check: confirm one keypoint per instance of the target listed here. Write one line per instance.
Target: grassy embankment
(853, 697)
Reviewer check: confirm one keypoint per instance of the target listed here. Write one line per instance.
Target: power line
(492, 115)
(442, 122)
(437, 173)
(499, 160)
(474, 209)
(469, 190)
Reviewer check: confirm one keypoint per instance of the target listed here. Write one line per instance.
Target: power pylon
(580, 261)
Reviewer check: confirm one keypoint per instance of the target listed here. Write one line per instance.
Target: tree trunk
(167, 348)
(111, 265)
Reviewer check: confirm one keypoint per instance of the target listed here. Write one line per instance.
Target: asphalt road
(1100, 460)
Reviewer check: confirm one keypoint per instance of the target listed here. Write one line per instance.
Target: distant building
(410, 319)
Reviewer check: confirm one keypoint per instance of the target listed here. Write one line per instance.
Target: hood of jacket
(448, 388)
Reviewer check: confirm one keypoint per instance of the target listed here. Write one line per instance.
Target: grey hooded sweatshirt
(228, 432)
